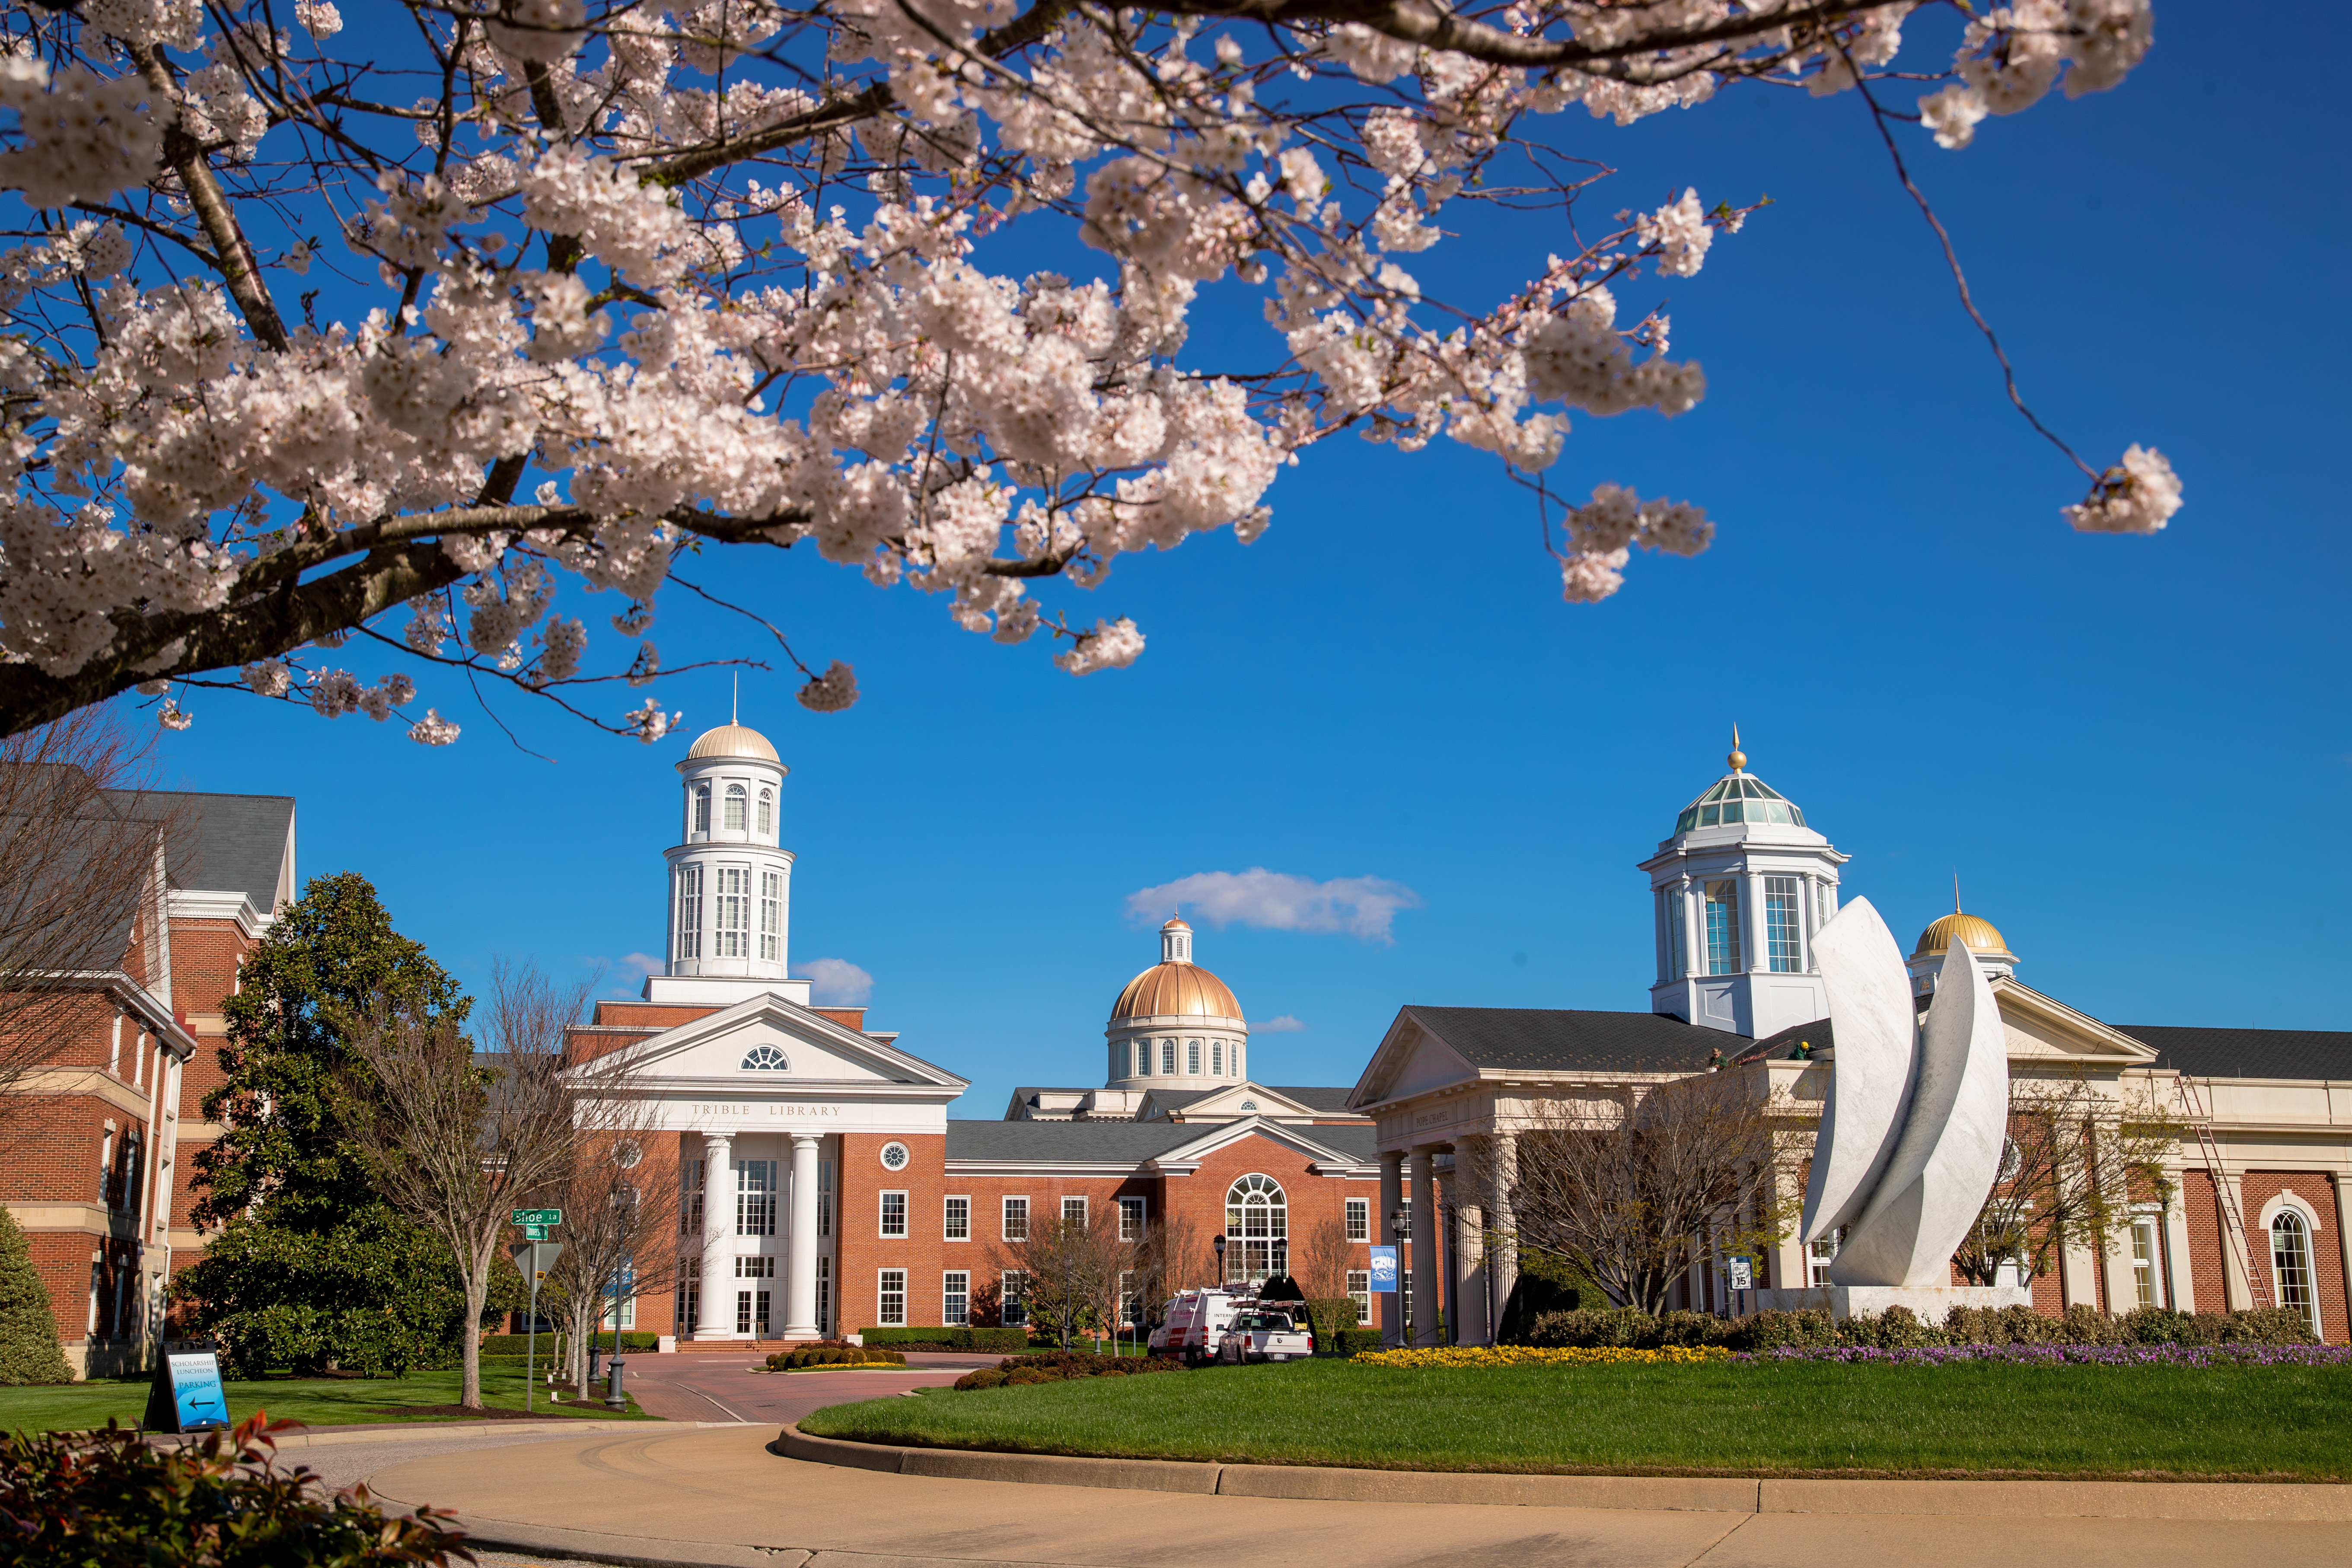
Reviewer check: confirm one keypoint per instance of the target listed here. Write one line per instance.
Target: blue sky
(2113, 742)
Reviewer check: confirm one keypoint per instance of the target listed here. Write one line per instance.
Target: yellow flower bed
(1525, 1356)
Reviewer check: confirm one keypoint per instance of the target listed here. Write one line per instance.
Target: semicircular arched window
(767, 811)
(2291, 1266)
(764, 1058)
(1257, 1227)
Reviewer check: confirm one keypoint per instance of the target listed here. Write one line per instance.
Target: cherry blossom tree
(423, 326)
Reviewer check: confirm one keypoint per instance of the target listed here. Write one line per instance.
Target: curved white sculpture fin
(1950, 1155)
(1870, 1023)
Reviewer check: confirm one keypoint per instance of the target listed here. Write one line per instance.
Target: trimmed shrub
(104, 1498)
(1330, 1317)
(1771, 1331)
(30, 1351)
(1028, 1375)
(835, 1352)
(1350, 1341)
(519, 1344)
(986, 1377)
(1897, 1328)
(1059, 1366)
(998, 1342)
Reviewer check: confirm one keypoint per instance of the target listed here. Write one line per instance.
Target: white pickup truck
(1263, 1334)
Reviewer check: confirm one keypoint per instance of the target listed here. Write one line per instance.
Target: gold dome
(1978, 934)
(1176, 990)
(732, 740)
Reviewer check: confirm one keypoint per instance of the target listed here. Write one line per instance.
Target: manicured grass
(314, 1402)
(1787, 1419)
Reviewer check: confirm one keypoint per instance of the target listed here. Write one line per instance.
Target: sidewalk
(720, 1497)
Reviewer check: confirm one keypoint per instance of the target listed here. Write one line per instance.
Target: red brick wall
(2259, 1187)
(861, 1251)
(2202, 1206)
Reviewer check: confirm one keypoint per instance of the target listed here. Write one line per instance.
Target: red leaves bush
(106, 1500)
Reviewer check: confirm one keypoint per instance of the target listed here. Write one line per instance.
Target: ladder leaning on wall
(2234, 1222)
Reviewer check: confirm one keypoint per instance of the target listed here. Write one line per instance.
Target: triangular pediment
(2042, 1028)
(1234, 1100)
(766, 1042)
(1411, 1060)
(1224, 1134)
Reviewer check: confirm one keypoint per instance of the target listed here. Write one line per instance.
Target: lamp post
(1400, 1233)
(1218, 1242)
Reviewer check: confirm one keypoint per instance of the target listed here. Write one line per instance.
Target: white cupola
(730, 880)
(1737, 894)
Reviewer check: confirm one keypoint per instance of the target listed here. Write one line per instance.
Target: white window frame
(1168, 1059)
(772, 915)
(731, 912)
(1362, 1294)
(882, 1291)
(1134, 1218)
(2293, 1202)
(699, 819)
(1216, 1058)
(2147, 1273)
(735, 809)
(955, 1297)
(689, 911)
(1012, 1302)
(755, 1206)
(948, 1217)
(1080, 1216)
(1005, 1217)
(1358, 1213)
(1192, 1059)
(882, 1213)
(768, 812)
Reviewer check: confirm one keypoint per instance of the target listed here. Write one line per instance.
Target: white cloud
(838, 981)
(1286, 1025)
(1275, 900)
(643, 964)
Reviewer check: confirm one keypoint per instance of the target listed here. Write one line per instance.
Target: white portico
(764, 1090)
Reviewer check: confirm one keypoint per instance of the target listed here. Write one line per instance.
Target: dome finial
(735, 703)
(1738, 758)
(1956, 892)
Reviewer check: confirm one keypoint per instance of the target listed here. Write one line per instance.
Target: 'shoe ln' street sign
(538, 1216)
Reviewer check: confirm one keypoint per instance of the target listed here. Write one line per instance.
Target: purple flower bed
(2068, 1355)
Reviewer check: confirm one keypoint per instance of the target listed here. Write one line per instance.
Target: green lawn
(1785, 1419)
(314, 1402)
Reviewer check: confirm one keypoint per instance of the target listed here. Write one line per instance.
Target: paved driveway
(710, 1386)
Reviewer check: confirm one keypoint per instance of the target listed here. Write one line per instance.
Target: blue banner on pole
(1384, 1268)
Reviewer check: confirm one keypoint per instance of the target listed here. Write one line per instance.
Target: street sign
(534, 1233)
(1743, 1275)
(538, 1216)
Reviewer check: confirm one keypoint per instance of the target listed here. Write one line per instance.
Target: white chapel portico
(767, 1093)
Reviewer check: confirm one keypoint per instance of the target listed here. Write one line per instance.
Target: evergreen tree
(311, 1268)
(29, 1352)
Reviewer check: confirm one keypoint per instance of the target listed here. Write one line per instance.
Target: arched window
(2291, 1266)
(1258, 1224)
(764, 1058)
(1168, 1059)
(701, 808)
(735, 798)
(767, 811)
(1192, 1059)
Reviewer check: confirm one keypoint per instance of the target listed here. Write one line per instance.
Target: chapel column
(1391, 1199)
(2237, 1257)
(1428, 1244)
(716, 1318)
(2179, 1283)
(1503, 1222)
(799, 1277)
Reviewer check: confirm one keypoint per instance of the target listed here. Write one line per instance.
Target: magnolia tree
(422, 325)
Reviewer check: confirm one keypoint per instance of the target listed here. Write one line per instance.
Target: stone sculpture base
(1929, 1303)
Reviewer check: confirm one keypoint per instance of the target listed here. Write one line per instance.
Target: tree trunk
(478, 1291)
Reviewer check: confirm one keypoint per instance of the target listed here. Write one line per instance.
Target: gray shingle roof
(236, 843)
(2248, 1053)
(1316, 1097)
(1548, 1039)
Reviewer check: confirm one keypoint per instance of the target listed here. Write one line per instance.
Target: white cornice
(215, 904)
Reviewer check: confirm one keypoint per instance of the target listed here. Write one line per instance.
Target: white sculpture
(1911, 1141)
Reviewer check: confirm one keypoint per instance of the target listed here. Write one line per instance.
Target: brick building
(2261, 1210)
(847, 1196)
(98, 1135)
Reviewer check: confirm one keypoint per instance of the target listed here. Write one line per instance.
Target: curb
(419, 1431)
(2263, 1501)
(645, 1552)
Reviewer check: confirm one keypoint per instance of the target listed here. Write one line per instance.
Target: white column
(1502, 1235)
(800, 1277)
(716, 1320)
(1391, 1302)
(2179, 1280)
(1427, 1244)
